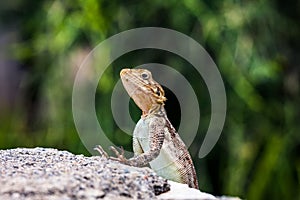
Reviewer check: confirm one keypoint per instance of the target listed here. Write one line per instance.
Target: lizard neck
(156, 109)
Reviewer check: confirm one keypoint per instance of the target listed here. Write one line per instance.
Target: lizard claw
(119, 155)
(101, 151)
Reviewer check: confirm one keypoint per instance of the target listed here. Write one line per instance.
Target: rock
(182, 191)
(228, 198)
(43, 173)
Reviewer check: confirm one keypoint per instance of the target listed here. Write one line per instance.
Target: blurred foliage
(254, 43)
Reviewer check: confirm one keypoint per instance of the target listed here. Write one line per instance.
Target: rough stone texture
(42, 173)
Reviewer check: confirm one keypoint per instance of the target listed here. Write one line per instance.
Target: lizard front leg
(156, 139)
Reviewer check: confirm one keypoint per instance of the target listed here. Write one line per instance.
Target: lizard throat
(157, 109)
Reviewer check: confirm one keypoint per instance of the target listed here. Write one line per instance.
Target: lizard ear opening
(158, 91)
(161, 95)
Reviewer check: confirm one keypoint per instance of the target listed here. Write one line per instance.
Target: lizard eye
(145, 76)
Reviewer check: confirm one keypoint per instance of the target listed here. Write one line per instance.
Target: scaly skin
(155, 140)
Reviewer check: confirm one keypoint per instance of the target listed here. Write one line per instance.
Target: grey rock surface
(43, 173)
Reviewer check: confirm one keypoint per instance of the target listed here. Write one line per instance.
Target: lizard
(155, 140)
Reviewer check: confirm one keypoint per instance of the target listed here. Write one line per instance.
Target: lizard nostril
(124, 71)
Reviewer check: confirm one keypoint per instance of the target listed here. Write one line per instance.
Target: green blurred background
(255, 44)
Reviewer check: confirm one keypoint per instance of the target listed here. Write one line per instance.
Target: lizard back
(174, 161)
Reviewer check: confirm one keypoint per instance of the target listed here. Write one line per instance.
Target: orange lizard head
(141, 87)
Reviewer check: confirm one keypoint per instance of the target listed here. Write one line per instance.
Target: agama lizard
(155, 140)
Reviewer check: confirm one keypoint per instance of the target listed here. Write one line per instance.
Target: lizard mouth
(127, 79)
(141, 87)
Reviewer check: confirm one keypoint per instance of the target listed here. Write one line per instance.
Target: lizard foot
(101, 151)
(119, 155)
